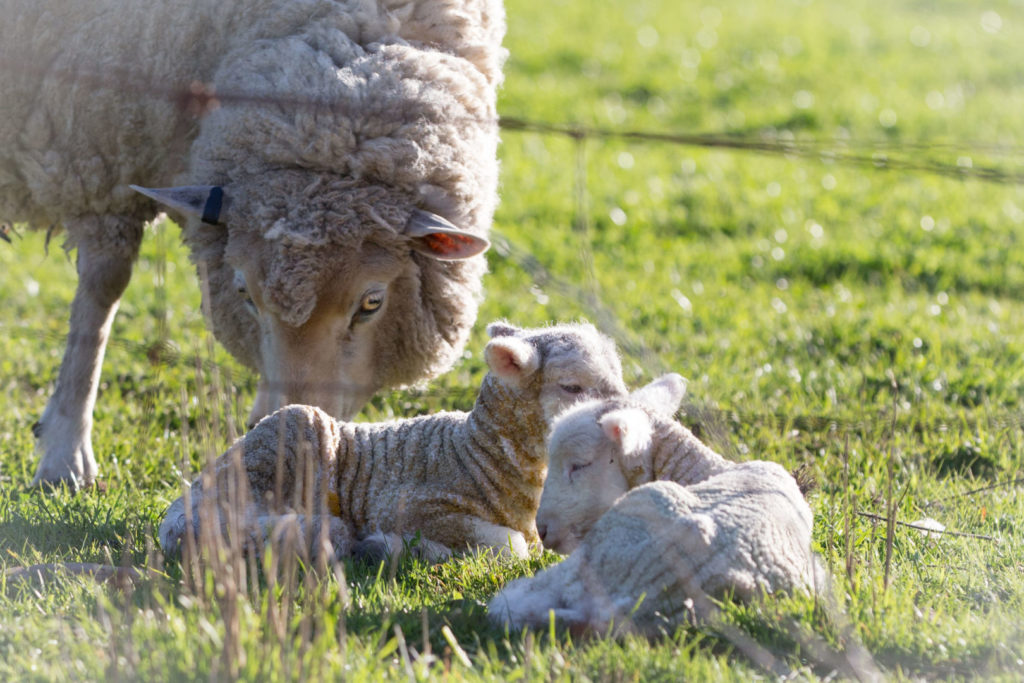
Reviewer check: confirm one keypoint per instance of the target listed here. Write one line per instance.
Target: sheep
(333, 163)
(444, 482)
(655, 522)
(638, 441)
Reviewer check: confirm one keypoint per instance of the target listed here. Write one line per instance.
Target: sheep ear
(628, 427)
(434, 236)
(500, 328)
(663, 395)
(205, 202)
(511, 359)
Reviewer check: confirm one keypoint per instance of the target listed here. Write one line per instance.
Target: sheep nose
(542, 531)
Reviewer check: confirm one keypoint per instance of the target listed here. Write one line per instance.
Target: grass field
(849, 296)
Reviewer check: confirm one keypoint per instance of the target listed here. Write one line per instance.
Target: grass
(828, 313)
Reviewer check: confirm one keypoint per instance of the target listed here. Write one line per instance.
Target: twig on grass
(921, 527)
(891, 504)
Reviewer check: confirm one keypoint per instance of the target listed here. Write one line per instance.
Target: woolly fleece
(332, 121)
(653, 560)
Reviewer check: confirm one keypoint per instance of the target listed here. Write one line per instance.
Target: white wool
(656, 522)
(663, 547)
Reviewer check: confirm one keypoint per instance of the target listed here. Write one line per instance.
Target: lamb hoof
(371, 551)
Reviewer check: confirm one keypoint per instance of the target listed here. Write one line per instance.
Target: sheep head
(597, 452)
(554, 367)
(336, 288)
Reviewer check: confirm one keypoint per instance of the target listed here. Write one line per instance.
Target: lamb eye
(571, 388)
(246, 299)
(243, 291)
(577, 466)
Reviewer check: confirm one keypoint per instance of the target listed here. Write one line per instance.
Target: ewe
(325, 151)
(452, 480)
(689, 525)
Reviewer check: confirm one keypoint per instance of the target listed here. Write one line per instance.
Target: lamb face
(597, 451)
(555, 367)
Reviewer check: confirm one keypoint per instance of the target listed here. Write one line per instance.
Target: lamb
(446, 482)
(637, 442)
(334, 162)
(655, 522)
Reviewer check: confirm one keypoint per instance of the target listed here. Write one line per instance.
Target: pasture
(830, 253)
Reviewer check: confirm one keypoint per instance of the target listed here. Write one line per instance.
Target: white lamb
(324, 152)
(656, 522)
(452, 480)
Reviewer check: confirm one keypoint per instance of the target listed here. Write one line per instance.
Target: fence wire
(198, 99)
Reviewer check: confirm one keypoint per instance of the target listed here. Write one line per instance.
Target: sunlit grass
(827, 314)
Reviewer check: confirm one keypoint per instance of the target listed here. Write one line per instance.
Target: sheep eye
(577, 466)
(571, 388)
(371, 303)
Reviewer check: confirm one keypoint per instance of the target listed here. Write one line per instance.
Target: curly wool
(393, 94)
(395, 124)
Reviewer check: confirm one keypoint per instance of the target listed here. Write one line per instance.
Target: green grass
(827, 313)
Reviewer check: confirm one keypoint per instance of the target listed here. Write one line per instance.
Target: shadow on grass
(64, 526)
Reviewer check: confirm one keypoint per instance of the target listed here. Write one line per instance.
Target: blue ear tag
(211, 211)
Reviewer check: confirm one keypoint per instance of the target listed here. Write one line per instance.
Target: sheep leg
(503, 541)
(107, 247)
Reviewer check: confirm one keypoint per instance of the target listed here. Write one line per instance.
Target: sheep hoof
(65, 452)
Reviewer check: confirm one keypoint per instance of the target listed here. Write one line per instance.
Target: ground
(825, 244)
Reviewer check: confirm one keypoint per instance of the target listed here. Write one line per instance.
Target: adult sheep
(335, 161)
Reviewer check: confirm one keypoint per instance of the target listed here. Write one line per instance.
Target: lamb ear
(205, 202)
(511, 359)
(698, 534)
(434, 236)
(628, 427)
(663, 395)
(500, 328)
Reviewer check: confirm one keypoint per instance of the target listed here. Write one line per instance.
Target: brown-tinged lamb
(446, 482)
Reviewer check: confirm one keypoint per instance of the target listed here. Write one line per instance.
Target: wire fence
(199, 99)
